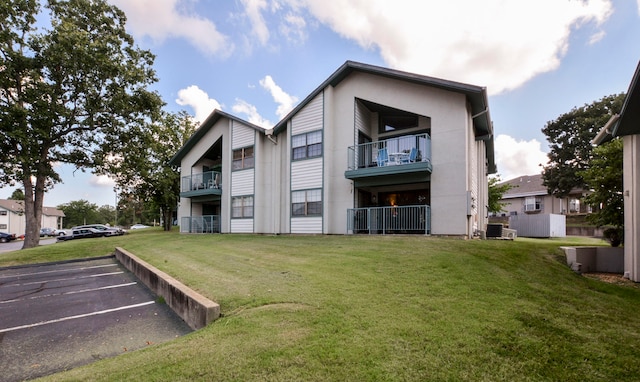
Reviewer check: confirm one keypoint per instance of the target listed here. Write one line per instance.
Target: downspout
(269, 134)
(606, 130)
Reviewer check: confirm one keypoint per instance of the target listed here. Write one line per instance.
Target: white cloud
(102, 181)
(160, 20)
(251, 113)
(293, 28)
(259, 29)
(199, 100)
(285, 102)
(494, 43)
(515, 158)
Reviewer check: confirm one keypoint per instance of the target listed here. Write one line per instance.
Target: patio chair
(383, 157)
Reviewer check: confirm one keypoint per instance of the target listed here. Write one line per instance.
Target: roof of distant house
(17, 206)
(525, 185)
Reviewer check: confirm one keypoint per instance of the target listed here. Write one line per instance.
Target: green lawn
(372, 308)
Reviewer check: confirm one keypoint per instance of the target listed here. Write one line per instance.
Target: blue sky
(257, 58)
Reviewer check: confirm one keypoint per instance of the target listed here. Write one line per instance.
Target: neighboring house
(371, 150)
(627, 126)
(12, 218)
(529, 196)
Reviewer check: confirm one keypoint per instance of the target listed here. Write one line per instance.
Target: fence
(200, 224)
(389, 220)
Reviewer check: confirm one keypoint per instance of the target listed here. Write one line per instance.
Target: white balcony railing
(389, 220)
(205, 180)
(396, 151)
(200, 224)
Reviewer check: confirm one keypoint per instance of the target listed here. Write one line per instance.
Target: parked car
(139, 226)
(82, 233)
(7, 237)
(48, 232)
(108, 231)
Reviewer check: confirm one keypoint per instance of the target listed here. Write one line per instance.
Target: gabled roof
(17, 206)
(476, 95)
(629, 121)
(525, 185)
(205, 126)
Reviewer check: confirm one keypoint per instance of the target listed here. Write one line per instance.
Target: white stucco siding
(243, 135)
(242, 182)
(241, 225)
(306, 174)
(309, 118)
(306, 225)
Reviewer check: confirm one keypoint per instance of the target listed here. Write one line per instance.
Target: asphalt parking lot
(58, 316)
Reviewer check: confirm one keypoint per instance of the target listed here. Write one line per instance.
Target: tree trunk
(32, 211)
(167, 218)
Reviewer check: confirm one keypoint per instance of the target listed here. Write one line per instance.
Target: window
(532, 204)
(3, 226)
(307, 145)
(3, 213)
(306, 203)
(574, 205)
(242, 207)
(243, 158)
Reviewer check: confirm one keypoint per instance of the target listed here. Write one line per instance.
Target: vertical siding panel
(242, 182)
(243, 135)
(306, 174)
(306, 225)
(241, 225)
(309, 118)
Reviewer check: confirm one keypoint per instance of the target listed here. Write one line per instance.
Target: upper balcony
(406, 157)
(203, 184)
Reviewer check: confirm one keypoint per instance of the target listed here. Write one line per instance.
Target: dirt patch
(612, 278)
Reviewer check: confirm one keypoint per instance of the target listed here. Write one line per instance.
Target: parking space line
(67, 279)
(56, 271)
(75, 317)
(72, 292)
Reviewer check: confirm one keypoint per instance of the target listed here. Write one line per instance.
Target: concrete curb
(196, 310)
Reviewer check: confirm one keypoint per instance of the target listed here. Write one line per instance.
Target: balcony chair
(383, 157)
(412, 156)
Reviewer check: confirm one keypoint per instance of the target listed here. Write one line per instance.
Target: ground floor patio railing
(389, 220)
(200, 224)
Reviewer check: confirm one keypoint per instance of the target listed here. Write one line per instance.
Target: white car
(139, 226)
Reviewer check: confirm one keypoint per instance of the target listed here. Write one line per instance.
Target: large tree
(79, 212)
(141, 168)
(570, 138)
(604, 177)
(68, 86)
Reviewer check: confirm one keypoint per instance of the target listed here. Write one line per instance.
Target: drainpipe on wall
(269, 134)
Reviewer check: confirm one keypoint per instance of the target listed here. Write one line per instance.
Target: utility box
(539, 225)
(494, 230)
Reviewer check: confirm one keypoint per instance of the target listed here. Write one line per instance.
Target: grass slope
(374, 308)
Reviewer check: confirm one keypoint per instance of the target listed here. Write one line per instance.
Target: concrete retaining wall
(595, 259)
(196, 310)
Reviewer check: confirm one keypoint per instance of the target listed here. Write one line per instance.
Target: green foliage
(17, 194)
(496, 191)
(140, 164)
(604, 177)
(67, 89)
(570, 138)
(80, 212)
